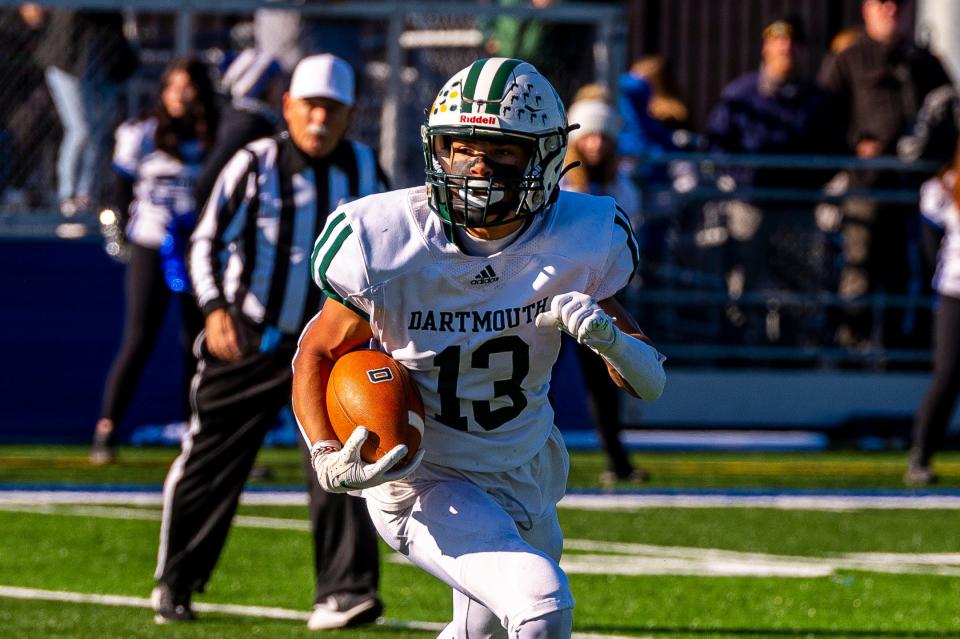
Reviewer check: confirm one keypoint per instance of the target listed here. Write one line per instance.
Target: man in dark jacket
(254, 82)
(773, 110)
(880, 83)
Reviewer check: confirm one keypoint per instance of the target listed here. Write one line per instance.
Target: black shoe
(170, 606)
(344, 609)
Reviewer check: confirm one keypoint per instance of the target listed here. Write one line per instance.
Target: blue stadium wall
(61, 326)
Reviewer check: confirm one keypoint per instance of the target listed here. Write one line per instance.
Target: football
(371, 389)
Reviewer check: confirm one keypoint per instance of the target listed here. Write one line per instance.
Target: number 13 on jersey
(511, 388)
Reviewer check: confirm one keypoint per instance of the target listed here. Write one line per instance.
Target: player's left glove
(340, 469)
(580, 316)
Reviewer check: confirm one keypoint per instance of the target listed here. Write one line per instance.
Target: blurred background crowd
(775, 203)
(770, 153)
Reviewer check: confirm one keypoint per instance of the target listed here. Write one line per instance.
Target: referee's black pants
(234, 405)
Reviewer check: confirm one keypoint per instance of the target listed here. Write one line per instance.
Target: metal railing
(686, 293)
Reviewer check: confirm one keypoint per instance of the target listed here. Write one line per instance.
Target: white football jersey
(162, 184)
(465, 325)
(939, 209)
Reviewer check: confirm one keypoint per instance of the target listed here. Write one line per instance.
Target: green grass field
(679, 573)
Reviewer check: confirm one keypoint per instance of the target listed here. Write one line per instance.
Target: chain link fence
(402, 51)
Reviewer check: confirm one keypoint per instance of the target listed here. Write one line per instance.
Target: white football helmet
(500, 99)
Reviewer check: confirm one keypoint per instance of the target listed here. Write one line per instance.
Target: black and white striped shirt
(251, 248)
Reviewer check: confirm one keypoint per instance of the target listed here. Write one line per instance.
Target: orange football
(371, 389)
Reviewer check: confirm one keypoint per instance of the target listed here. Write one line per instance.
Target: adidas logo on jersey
(486, 276)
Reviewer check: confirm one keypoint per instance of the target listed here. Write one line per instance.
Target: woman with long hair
(157, 159)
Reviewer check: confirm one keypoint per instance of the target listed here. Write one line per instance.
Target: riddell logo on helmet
(477, 119)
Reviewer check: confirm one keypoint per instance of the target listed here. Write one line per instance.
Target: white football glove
(340, 469)
(581, 317)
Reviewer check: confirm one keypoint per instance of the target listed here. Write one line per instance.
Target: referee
(249, 262)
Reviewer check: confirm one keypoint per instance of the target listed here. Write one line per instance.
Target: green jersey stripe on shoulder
(470, 86)
(623, 222)
(329, 254)
(499, 83)
(327, 232)
(343, 230)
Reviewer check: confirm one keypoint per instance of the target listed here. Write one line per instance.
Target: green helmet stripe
(499, 83)
(471, 84)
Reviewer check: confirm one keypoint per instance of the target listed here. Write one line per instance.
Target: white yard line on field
(261, 612)
(612, 501)
(824, 502)
(613, 558)
(647, 559)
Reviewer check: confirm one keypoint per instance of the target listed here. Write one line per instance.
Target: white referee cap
(323, 76)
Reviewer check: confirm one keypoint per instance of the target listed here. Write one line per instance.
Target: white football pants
(506, 577)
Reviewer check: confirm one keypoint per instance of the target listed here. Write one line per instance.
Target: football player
(465, 281)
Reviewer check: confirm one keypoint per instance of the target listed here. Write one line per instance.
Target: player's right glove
(340, 469)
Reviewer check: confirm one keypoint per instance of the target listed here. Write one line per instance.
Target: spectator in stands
(654, 118)
(287, 35)
(641, 132)
(250, 267)
(935, 138)
(879, 82)
(845, 39)
(254, 83)
(774, 110)
(25, 108)
(86, 57)
(156, 160)
(594, 146)
(665, 106)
